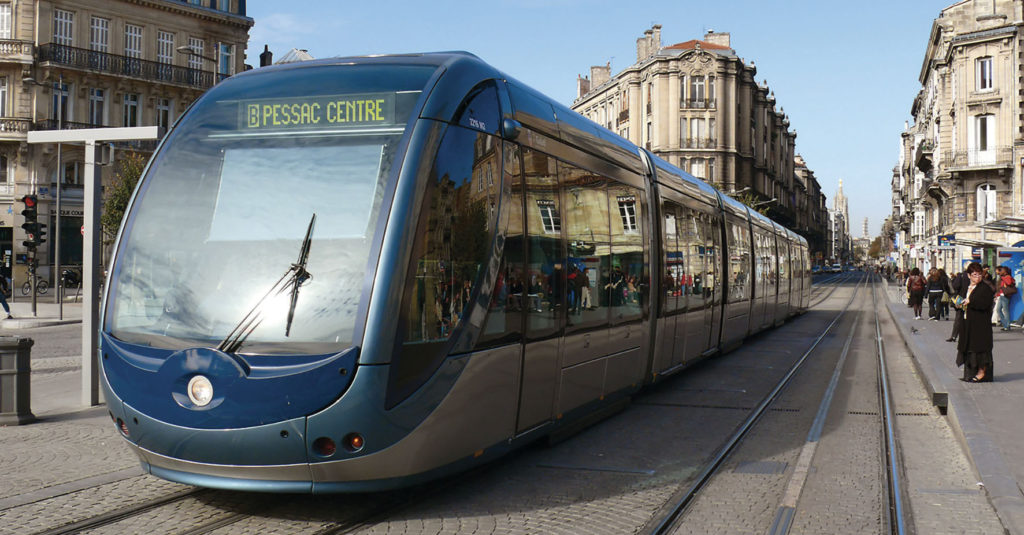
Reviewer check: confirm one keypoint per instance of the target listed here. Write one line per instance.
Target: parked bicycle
(41, 286)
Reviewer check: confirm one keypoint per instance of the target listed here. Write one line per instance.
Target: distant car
(836, 268)
(815, 270)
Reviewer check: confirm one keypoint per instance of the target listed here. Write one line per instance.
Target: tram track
(668, 518)
(675, 514)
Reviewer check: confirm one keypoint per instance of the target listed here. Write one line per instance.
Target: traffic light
(30, 225)
(40, 233)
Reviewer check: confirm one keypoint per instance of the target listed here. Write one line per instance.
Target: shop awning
(1008, 224)
(979, 243)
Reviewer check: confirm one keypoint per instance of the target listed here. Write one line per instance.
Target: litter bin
(15, 393)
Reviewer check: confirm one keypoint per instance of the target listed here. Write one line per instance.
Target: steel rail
(897, 514)
(683, 500)
(121, 514)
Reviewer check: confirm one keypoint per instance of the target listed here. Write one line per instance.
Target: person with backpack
(1005, 288)
(916, 286)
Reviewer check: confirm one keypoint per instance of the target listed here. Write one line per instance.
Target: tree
(875, 250)
(119, 192)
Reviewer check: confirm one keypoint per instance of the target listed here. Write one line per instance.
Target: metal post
(91, 280)
(57, 279)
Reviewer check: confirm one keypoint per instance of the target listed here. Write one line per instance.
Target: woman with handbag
(974, 351)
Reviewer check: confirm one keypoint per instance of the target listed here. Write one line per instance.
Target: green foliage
(876, 248)
(119, 192)
(750, 199)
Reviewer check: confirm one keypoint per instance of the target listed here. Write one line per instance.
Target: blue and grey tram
(356, 274)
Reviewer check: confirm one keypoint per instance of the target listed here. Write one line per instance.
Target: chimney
(721, 38)
(643, 46)
(582, 85)
(600, 74)
(266, 57)
(656, 44)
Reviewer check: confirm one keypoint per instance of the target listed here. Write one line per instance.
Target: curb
(975, 438)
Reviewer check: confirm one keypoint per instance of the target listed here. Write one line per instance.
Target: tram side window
(627, 279)
(504, 322)
(586, 231)
(673, 261)
(696, 245)
(713, 275)
(784, 266)
(739, 260)
(544, 280)
(453, 239)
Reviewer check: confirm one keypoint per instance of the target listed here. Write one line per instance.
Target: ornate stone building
(94, 63)
(957, 188)
(696, 104)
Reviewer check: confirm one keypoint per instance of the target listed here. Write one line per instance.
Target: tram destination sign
(316, 112)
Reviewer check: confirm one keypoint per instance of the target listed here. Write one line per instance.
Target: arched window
(986, 203)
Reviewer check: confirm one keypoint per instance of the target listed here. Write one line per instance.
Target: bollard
(15, 381)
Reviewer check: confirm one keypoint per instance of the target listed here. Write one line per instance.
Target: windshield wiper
(299, 273)
(292, 279)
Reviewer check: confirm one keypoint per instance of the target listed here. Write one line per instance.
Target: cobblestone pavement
(611, 478)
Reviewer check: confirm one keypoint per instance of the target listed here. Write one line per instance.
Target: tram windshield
(224, 210)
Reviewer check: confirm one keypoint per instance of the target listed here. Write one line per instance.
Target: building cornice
(199, 12)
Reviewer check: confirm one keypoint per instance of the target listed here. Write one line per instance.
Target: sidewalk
(985, 416)
(47, 313)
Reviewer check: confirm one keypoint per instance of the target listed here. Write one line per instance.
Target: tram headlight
(200, 391)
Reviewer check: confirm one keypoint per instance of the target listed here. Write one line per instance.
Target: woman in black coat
(974, 350)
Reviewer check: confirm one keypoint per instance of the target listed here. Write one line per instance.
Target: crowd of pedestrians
(978, 300)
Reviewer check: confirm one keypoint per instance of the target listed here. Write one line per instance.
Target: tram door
(713, 282)
(543, 280)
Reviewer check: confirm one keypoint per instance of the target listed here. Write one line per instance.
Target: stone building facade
(95, 63)
(696, 104)
(957, 187)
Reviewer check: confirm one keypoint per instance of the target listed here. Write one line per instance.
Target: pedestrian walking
(5, 288)
(974, 351)
(916, 287)
(1005, 288)
(935, 291)
(959, 285)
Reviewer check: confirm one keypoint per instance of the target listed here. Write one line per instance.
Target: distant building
(696, 104)
(958, 175)
(93, 63)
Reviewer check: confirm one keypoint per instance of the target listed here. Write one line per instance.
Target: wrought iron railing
(123, 65)
(698, 143)
(698, 103)
(1001, 156)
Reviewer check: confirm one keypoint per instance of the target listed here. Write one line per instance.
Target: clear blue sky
(844, 72)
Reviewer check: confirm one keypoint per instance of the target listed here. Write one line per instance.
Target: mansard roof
(692, 44)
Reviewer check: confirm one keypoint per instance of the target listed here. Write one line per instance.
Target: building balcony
(90, 60)
(978, 159)
(623, 116)
(698, 143)
(14, 128)
(14, 50)
(698, 103)
(923, 156)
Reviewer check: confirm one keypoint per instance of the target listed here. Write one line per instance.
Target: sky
(845, 73)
